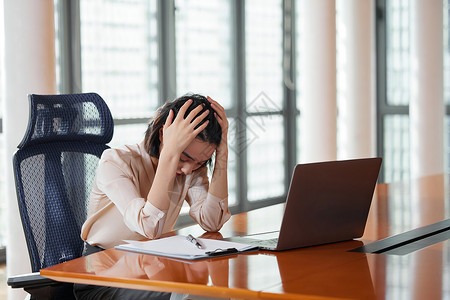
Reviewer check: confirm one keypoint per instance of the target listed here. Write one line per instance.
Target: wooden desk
(322, 272)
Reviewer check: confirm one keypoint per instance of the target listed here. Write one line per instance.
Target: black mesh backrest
(73, 117)
(54, 170)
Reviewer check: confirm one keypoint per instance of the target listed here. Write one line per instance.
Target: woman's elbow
(211, 228)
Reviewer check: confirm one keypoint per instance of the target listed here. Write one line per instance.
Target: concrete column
(356, 98)
(317, 77)
(29, 67)
(426, 109)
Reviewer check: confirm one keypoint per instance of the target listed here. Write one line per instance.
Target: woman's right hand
(179, 133)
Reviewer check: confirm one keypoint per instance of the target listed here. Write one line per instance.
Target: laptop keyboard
(270, 243)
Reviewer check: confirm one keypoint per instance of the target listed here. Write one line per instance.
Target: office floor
(3, 288)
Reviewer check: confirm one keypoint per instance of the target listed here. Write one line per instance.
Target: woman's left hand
(221, 117)
(219, 181)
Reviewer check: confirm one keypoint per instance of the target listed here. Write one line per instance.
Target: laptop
(327, 202)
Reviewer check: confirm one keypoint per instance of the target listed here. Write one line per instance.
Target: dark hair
(211, 134)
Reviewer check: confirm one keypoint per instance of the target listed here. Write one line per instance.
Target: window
(230, 50)
(394, 92)
(117, 59)
(264, 99)
(204, 56)
(394, 88)
(203, 49)
(118, 54)
(396, 127)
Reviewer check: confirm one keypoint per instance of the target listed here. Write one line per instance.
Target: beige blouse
(118, 209)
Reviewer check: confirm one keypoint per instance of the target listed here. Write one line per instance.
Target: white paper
(179, 247)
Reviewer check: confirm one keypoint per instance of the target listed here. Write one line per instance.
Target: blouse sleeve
(117, 180)
(209, 211)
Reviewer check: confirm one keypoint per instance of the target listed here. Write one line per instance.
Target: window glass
(299, 148)
(397, 52)
(128, 134)
(265, 158)
(203, 58)
(232, 169)
(203, 48)
(119, 54)
(264, 96)
(398, 89)
(264, 53)
(396, 148)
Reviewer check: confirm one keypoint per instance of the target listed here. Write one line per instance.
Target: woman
(138, 191)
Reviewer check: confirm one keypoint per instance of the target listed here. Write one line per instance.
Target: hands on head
(179, 133)
(187, 137)
(181, 139)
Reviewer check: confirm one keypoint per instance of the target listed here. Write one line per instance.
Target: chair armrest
(30, 280)
(42, 288)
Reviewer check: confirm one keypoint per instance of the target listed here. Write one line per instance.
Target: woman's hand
(221, 117)
(219, 182)
(179, 133)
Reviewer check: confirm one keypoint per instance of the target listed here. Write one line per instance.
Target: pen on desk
(194, 241)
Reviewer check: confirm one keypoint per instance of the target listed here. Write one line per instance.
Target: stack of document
(180, 246)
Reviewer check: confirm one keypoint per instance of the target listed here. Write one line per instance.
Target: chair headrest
(71, 117)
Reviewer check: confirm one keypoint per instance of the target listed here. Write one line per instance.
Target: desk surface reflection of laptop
(327, 202)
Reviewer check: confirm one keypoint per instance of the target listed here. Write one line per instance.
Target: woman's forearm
(219, 180)
(158, 195)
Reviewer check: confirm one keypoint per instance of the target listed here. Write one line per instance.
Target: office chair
(54, 169)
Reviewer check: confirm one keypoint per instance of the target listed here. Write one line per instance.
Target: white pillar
(29, 67)
(426, 109)
(317, 79)
(356, 137)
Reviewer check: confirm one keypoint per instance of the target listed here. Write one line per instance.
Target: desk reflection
(145, 266)
(403, 206)
(325, 271)
(157, 268)
(423, 274)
